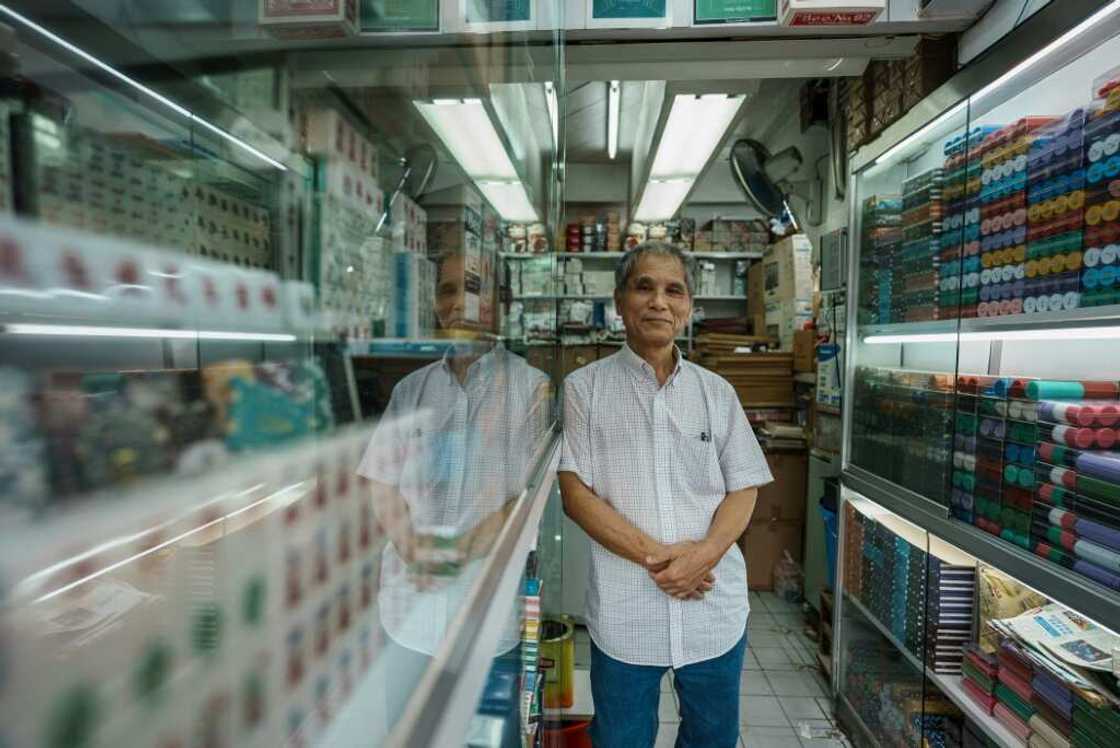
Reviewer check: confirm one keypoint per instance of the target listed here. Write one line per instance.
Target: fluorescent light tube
(614, 111)
(692, 132)
(662, 198)
(136, 85)
(888, 155)
(970, 336)
(145, 332)
(510, 200)
(553, 111)
(469, 135)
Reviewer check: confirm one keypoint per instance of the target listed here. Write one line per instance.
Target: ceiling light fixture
(693, 130)
(469, 135)
(972, 336)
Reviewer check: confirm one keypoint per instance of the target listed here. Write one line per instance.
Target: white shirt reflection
(447, 460)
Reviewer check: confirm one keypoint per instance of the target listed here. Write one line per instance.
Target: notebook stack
(882, 238)
(980, 675)
(1013, 693)
(1094, 725)
(917, 273)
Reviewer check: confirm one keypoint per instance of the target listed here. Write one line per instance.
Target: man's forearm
(730, 520)
(603, 522)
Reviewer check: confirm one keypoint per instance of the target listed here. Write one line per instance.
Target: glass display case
(270, 466)
(984, 381)
(940, 648)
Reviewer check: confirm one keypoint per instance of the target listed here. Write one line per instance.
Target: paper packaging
(829, 12)
(788, 271)
(763, 545)
(309, 19)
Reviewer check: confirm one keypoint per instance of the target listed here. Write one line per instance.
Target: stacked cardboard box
(760, 379)
(788, 288)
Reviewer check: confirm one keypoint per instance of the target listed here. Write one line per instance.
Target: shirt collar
(641, 368)
(487, 359)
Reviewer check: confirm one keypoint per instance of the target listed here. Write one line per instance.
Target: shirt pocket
(698, 465)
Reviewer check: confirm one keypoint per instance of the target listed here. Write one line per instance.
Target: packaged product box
(829, 12)
(788, 270)
(309, 19)
(764, 544)
(784, 318)
(830, 367)
(756, 291)
(413, 311)
(804, 350)
(784, 499)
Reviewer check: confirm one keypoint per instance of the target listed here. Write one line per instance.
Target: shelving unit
(950, 685)
(956, 218)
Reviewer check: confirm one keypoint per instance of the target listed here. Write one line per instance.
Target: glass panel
(269, 402)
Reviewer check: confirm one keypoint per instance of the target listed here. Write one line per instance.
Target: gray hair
(629, 261)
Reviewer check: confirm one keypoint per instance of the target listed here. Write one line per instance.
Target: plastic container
(558, 648)
(566, 734)
(831, 540)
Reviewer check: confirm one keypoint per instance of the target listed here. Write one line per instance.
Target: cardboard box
(309, 19)
(830, 12)
(756, 292)
(784, 319)
(784, 499)
(788, 270)
(764, 544)
(804, 350)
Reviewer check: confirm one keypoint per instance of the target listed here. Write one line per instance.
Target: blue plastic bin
(831, 536)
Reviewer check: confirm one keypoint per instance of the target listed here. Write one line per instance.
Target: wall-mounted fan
(418, 168)
(764, 179)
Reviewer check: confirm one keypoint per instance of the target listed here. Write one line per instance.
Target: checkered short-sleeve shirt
(664, 457)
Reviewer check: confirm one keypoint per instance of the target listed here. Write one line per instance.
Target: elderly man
(661, 469)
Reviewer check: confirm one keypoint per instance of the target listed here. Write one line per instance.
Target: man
(449, 457)
(661, 469)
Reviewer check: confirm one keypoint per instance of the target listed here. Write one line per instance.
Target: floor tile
(816, 729)
(773, 658)
(795, 684)
(667, 709)
(761, 620)
(798, 708)
(791, 621)
(750, 662)
(771, 737)
(763, 711)
(764, 637)
(754, 683)
(666, 735)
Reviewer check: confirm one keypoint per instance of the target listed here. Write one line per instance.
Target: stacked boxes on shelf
(1003, 218)
(923, 600)
(788, 288)
(1056, 216)
(353, 266)
(980, 676)
(458, 225)
(882, 237)
(903, 428)
(962, 500)
(1077, 502)
(1099, 280)
(256, 633)
(916, 273)
(954, 294)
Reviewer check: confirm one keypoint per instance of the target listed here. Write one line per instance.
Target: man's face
(655, 305)
(450, 296)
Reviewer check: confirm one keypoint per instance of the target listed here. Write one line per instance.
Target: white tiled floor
(783, 701)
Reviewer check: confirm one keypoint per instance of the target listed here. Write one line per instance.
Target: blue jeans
(626, 698)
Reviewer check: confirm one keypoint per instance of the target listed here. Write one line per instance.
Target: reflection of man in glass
(451, 454)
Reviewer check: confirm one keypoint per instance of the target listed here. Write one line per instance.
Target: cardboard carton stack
(762, 380)
(780, 290)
